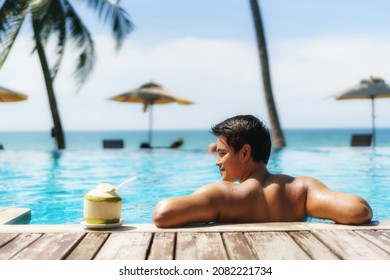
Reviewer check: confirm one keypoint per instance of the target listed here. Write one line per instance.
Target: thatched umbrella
(7, 95)
(370, 88)
(150, 94)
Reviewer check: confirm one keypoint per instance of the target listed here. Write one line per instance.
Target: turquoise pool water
(52, 184)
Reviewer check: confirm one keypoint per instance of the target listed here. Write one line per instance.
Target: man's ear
(246, 151)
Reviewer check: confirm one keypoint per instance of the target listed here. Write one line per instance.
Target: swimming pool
(53, 184)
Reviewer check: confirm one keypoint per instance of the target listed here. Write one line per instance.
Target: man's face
(228, 161)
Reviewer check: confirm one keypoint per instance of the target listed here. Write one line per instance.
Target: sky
(206, 51)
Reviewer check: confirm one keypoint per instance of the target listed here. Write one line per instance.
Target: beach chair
(145, 145)
(113, 143)
(178, 143)
(361, 140)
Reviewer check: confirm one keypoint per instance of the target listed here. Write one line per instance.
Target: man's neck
(256, 170)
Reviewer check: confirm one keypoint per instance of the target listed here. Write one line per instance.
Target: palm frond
(8, 12)
(58, 20)
(111, 11)
(80, 35)
(12, 15)
(39, 8)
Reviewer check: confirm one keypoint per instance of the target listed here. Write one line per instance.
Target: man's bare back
(277, 198)
(259, 196)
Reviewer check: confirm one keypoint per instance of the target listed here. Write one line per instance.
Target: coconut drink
(102, 205)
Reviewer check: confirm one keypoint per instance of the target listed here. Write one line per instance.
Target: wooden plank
(17, 244)
(163, 246)
(377, 238)
(275, 246)
(312, 246)
(349, 245)
(385, 232)
(125, 246)
(200, 246)
(89, 246)
(6, 237)
(51, 246)
(237, 246)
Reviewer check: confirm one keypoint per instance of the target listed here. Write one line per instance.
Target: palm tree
(57, 19)
(277, 134)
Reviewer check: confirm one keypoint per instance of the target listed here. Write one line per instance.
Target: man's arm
(343, 208)
(182, 210)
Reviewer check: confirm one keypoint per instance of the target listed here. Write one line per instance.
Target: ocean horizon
(193, 139)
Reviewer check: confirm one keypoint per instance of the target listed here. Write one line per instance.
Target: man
(249, 193)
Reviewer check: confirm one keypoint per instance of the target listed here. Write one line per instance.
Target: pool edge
(15, 216)
(294, 226)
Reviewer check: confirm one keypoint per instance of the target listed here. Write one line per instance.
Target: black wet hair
(246, 129)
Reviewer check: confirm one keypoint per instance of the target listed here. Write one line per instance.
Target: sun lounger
(113, 144)
(361, 140)
(178, 143)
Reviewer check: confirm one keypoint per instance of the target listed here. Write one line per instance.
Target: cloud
(222, 77)
(219, 76)
(308, 72)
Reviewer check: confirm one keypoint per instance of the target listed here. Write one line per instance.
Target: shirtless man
(249, 193)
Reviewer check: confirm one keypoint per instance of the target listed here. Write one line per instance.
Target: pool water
(53, 184)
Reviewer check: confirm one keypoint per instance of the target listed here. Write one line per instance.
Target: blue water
(53, 184)
(194, 139)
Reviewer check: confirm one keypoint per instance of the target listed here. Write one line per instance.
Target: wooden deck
(270, 241)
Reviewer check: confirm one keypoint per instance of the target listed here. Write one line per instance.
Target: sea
(193, 139)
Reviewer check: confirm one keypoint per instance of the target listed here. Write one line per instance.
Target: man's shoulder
(226, 190)
(215, 186)
(304, 179)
